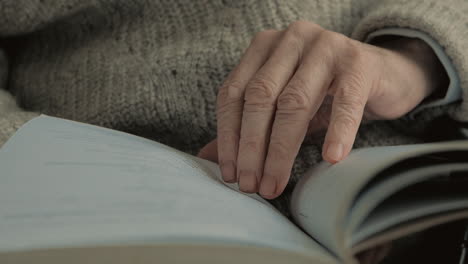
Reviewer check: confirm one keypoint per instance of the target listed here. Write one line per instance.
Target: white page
(412, 227)
(372, 197)
(322, 199)
(411, 210)
(67, 184)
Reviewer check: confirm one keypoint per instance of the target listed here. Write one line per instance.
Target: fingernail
(247, 182)
(228, 172)
(268, 187)
(335, 151)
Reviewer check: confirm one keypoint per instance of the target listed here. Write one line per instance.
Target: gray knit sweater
(153, 67)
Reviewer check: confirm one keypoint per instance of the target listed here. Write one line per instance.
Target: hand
(303, 79)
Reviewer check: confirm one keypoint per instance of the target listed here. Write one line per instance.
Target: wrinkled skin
(303, 79)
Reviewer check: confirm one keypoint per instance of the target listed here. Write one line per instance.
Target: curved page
(65, 184)
(322, 199)
(368, 201)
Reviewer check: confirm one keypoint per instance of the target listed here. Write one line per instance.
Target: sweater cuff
(454, 91)
(445, 22)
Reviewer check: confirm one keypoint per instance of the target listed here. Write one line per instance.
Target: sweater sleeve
(443, 23)
(11, 115)
(453, 91)
(24, 16)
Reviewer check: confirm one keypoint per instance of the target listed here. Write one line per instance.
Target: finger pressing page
(230, 101)
(209, 151)
(261, 96)
(296, 106)
(347, 110)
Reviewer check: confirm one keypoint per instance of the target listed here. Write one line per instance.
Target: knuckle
(294, 97)
(227, 117)
(332, 45)
(231, 89)
(251, 143)
(333, 39)
(260, 91)
(296, 32)
(291, 119)
(357, 59)
(226, 110)
(355, 53)
(353, 57)
(350, 107)
(352, 99)
(353, 89)
(295, 46)
(230, 96)
(279, 151)
(346, 122)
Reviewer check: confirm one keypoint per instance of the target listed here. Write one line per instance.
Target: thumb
(209, 151)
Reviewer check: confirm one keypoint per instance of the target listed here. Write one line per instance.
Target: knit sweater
(152, 68)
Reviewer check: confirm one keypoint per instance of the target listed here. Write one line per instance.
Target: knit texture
(152, 68)
(11, 116)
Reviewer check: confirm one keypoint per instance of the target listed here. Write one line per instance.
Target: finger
(260, 104)
(209, 151)
(321, 119)
(298, 102)
(348, 106)
(230, 101)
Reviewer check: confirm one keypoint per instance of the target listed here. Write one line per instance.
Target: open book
(76, 193)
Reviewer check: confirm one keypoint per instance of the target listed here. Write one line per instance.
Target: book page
(408, 228)
(322, 199)
(388, 217)
(413, 196)
(65, 184)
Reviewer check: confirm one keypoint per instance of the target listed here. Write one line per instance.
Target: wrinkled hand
(303, 79)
